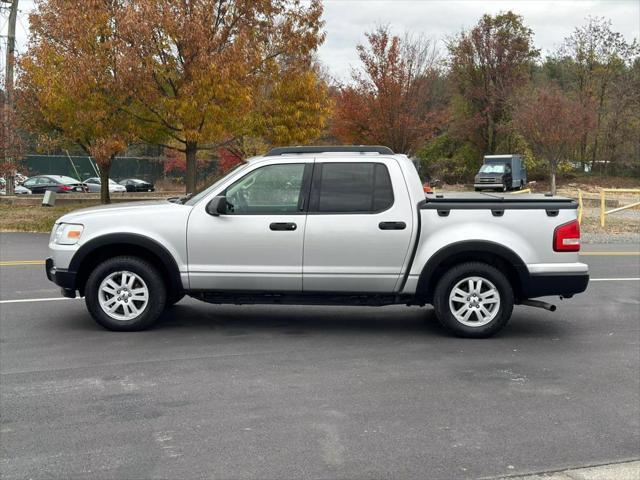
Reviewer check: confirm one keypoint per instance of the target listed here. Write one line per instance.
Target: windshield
(196, 198)
(492, 168)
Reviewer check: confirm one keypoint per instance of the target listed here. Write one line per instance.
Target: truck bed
(500, 201)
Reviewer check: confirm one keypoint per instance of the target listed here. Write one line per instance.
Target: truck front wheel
(125, 294)
(473, 300)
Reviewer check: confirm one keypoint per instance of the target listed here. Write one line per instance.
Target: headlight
(67, 233)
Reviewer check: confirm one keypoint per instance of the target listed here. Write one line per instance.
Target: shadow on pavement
(233, 320)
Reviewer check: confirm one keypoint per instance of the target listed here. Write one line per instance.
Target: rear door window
(358, 187)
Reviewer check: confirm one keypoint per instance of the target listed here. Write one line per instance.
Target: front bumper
(488, 185)
(65, 279)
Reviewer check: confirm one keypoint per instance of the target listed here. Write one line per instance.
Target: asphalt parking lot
(323, 392)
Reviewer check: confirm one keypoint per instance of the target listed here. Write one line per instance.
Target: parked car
(54, 183)
(20, 178)
(501, 172)
(93, 185)
(17, 189)
(322, 225)
(137, 185)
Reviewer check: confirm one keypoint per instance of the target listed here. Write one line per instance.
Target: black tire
(173, 299)
(455, 275)
(157, 294)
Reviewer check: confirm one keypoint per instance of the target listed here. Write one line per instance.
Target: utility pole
(8, 92)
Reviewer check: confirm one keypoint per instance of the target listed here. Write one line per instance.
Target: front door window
(274, 189)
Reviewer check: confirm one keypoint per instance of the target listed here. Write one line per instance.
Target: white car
(93, 184)
(18, 189)
(330, 225)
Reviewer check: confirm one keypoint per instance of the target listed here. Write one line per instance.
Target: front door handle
(283, 226)
(392, 225)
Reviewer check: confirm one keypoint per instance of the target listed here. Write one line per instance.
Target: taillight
(566, 237)
(65, 188)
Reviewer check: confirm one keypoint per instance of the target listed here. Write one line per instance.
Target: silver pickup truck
(322, 225)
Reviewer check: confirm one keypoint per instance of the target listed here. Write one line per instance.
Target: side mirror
(217, 206)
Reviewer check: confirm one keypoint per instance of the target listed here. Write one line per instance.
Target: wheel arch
(117, 244)
(484, 251)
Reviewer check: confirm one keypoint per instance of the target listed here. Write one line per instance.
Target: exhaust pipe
(539, 304)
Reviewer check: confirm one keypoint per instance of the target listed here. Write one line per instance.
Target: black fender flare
(426, 282)
(168, 263)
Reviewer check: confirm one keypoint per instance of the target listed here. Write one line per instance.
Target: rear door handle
(283, 226)
(392, 225)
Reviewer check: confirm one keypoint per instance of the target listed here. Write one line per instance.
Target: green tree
(487, 65)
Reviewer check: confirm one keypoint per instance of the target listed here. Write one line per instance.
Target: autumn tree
(388, 101)
(12, 145)
(553, 124)
(595, 63)
(487, 64)
(71, 85)
(290, 110)
(203, 71)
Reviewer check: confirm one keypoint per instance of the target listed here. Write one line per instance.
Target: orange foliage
(553, 124)
(389, 102)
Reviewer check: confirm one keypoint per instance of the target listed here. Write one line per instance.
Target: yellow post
(602, 208)
(579, 207)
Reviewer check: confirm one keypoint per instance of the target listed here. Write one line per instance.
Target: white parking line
(626, 279)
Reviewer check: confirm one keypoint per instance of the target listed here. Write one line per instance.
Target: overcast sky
(347, 20)
(551, 21)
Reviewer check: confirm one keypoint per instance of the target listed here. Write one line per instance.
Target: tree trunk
(10, 183)
(552, 168)
(190, 176)
(104, 166)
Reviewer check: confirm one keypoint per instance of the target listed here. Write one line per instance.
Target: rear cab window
(351, 187)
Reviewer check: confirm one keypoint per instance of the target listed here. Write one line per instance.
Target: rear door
(359, 226)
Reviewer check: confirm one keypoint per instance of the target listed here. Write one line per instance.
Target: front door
(257, 245)
(358, 227)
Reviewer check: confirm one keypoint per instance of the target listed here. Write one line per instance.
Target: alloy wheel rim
(123, 295)
(474, 301)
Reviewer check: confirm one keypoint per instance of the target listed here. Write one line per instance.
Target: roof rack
(330, 148)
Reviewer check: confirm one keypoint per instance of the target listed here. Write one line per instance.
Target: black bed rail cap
(331, 148)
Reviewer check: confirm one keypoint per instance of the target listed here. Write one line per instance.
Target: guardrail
(604, 191)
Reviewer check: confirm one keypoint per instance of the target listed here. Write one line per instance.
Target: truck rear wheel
(473, 300)
(125, 294)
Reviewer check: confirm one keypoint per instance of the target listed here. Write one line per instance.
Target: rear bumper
(564, 285)
(65, 279)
